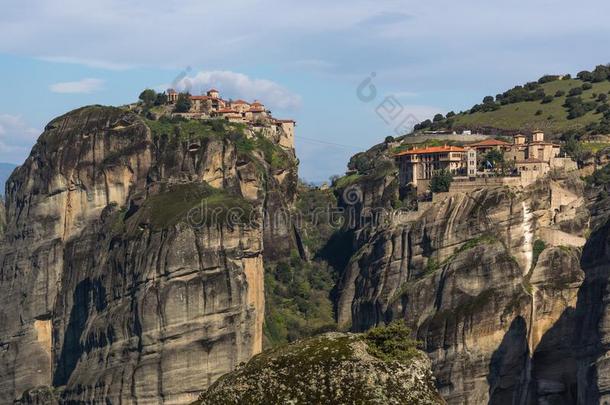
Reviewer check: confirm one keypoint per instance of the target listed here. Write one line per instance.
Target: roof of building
(519, 136)
(213, 91)
(200, 98)
(240, 102)
(285, 121)
(432, 149)
(256, 104)
(256, 109)
(171, 91)
(490, 142)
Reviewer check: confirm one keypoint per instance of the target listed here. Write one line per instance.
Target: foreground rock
(333, 369)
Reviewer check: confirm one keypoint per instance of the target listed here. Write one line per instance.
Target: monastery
(211, 105)
(526, 158)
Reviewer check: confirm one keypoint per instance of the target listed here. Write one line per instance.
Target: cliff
(505, 287)
(132, 266)
(335, 369)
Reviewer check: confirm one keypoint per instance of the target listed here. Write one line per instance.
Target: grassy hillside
(552, 117)
(554, 104)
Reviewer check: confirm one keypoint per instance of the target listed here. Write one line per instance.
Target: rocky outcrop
(333, 368)
(132, 268)
(499, 285)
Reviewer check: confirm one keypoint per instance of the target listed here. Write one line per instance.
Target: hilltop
(556, 104)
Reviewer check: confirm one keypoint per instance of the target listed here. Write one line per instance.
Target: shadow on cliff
(88, 295)
(562, 368)
(508, 363)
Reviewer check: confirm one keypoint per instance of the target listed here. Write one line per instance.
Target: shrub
(148, 97)
(183, 104)
(587, 86)
(560, 93)
(392, 342)
(585, 76)
(547, 99)
(548, 79)
(576, 91)
(441, 181)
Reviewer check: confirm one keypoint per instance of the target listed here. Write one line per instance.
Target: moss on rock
(333, 368)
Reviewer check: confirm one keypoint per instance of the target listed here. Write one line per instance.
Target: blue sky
(306, 60)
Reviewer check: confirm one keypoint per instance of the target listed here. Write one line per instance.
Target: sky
(349, 72)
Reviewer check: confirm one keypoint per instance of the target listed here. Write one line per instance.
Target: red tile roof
(432, 149)
(240, 102)
(226, 110)
(213, 90)
(490, 142)
(200, 98)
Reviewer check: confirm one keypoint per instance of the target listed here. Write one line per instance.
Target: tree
(602, 98)
(161, 99)
(441, 181)
(148, 97)
(450, 114)
(576, 91)
(601, 73)
(488, 99)
(183, 104)
(560, 93)
(495, 157)
(438, 118)
(587, 86)
(585, 76)
(547, 99)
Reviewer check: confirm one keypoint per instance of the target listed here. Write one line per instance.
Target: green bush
(392, 342)
(441, 181)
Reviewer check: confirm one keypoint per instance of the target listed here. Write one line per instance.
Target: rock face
(329, 369)
(132, 266)
(502, 286)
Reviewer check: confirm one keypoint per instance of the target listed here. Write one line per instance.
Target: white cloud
(16, 138)
(239, 85)
(77, 87)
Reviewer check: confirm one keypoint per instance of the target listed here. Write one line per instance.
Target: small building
(421, 164)
(213, 94)
(240, 106)
(490, 144)
(471, 164)
(172, 96)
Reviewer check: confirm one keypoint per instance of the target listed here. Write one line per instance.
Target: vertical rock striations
(132, 268)
(501, 285)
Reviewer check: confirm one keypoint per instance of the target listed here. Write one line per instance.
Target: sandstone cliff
(132, 267)
(506, 288)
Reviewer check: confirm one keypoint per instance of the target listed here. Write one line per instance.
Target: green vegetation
(183, 104)
(297, 300)
(537, 249)
(175, 201)
(148, 97)
(392, 342)
(441, 181)
(554, 104)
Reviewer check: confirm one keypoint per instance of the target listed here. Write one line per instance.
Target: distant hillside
(555, 104)
(5, 171)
